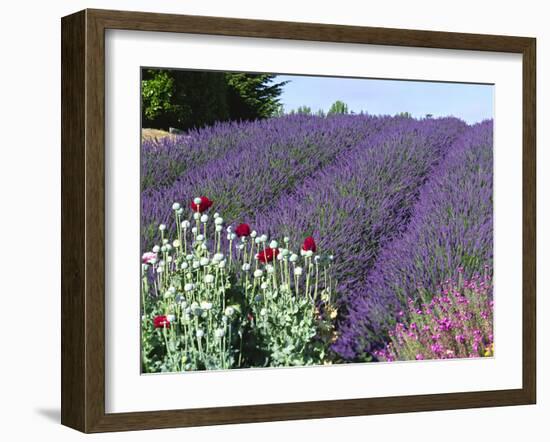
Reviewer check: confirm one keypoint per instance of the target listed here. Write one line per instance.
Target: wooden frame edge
(83, 216)
(73, 128)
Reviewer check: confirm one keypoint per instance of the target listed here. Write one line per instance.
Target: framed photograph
(267, 220)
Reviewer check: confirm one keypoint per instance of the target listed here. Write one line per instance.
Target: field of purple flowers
(403, 207)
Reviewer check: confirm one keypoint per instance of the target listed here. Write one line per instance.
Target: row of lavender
(449, 237)
(356, 184)
(364, 198)
(256, 165)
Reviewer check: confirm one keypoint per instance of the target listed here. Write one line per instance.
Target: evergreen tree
(253, 96)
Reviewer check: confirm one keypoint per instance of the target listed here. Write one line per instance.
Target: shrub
(455, 323)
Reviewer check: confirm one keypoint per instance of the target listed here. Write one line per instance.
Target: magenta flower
(148, 257)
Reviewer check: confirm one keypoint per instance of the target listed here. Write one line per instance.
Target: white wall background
(30, 221)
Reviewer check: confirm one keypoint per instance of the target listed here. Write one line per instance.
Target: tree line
(184, 99)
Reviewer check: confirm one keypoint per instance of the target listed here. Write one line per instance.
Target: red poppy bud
(242, 230)
(204, 205)
(161, 321)
(268, 255)
(309, 244)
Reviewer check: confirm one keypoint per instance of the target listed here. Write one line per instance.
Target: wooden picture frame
(83, 220)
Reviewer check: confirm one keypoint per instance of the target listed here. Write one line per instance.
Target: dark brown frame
(83, 217)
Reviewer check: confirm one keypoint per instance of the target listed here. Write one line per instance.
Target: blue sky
(470, 102)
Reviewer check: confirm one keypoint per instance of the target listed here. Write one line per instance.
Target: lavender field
(306, 240)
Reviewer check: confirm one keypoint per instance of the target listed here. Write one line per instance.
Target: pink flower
(148, 257)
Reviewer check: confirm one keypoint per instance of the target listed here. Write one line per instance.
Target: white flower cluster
(192, 279)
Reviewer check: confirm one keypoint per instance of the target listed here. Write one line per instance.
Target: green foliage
(253, 96)
(203, 309)
(404, 115)
(187, 99)
(183, 99)
(280, 111)
(157, 92)
(303, 110)
(338, 107)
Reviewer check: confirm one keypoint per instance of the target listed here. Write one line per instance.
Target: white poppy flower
(209, 279)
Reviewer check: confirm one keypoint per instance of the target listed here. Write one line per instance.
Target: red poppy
(268, 255)
(161, 321)
(204, 205)
(309, 244)
(242, 230)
